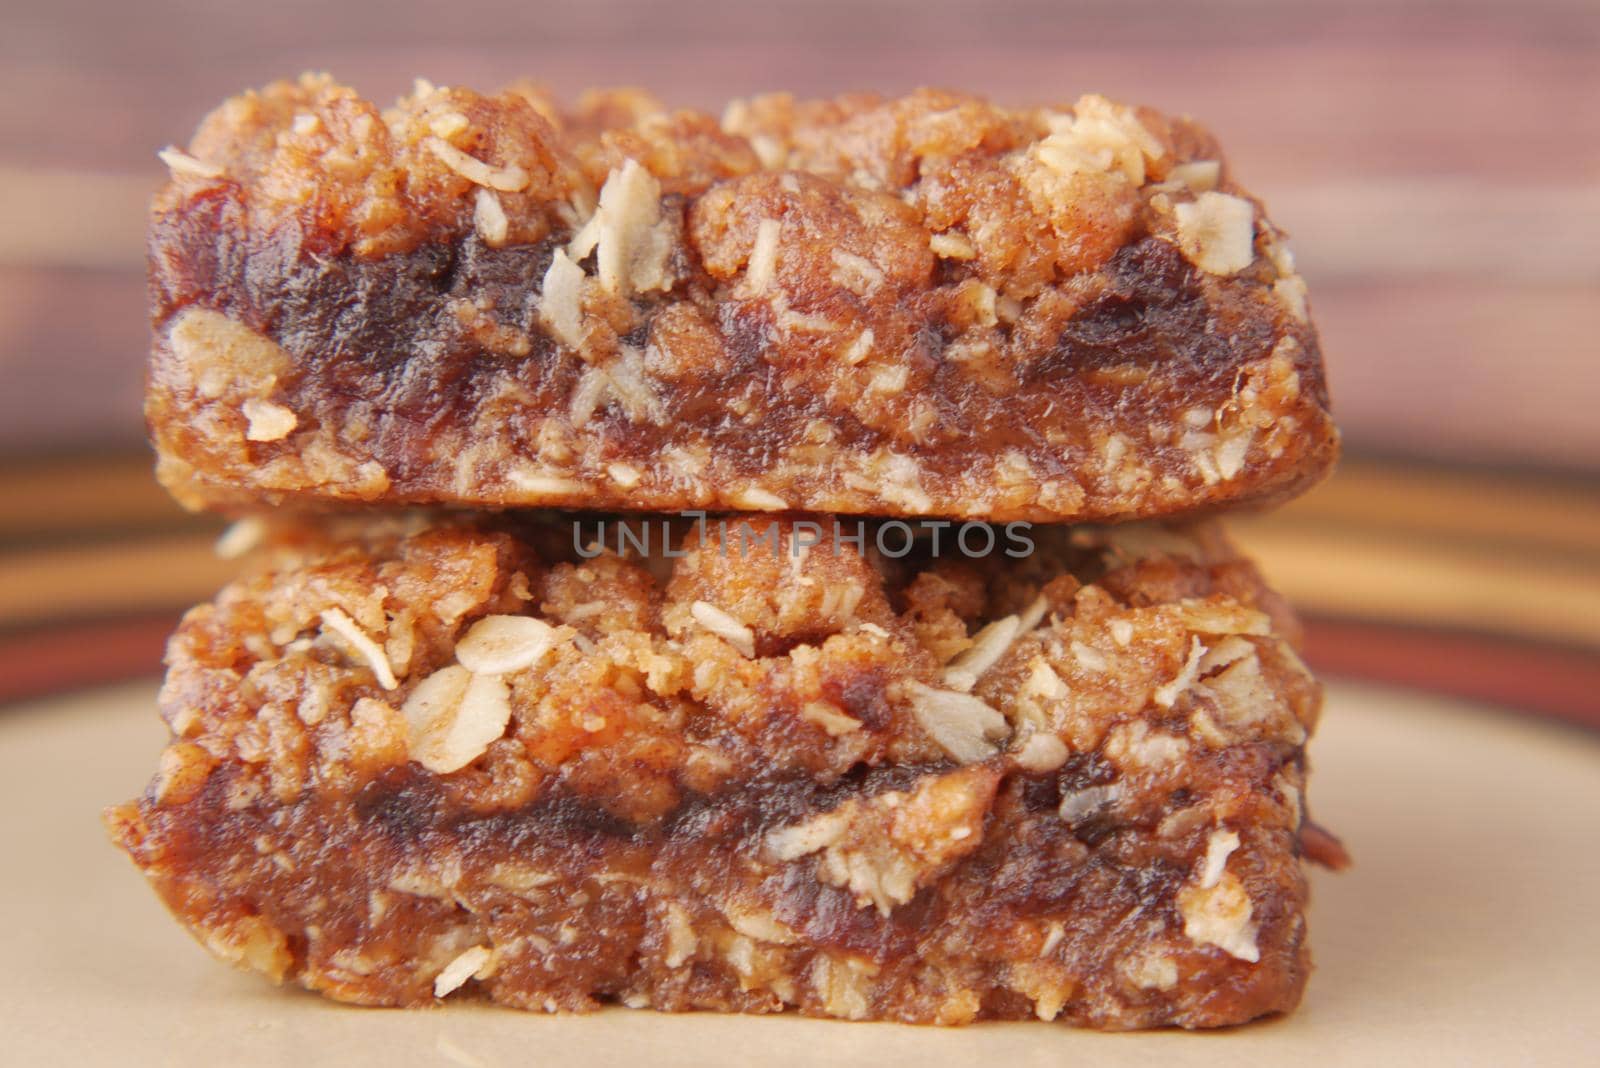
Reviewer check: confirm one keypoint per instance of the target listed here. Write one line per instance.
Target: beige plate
(1466, 933)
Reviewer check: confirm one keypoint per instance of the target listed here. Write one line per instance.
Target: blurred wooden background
(1437, 164)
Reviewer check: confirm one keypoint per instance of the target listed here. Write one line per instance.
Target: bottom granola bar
(459, 758)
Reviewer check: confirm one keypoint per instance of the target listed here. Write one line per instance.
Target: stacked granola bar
(742, 565)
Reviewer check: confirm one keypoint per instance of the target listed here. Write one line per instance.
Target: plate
(1466, 932)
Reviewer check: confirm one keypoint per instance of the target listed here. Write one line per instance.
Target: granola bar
(469, 757)
(925, 305)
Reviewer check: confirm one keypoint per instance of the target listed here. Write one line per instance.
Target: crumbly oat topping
(919, 305)
(579, 789)
(606, 657)
(887, 848)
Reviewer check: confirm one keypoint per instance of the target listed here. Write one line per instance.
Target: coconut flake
(472, 962)
(763, 257)
(756, 499)
(962, 725)
(341, 624)
(1167, 695)
(489, 218)
(1220, 915)
(1218, 847)
(628, 382)
(561, 300)
(240, 538)
(180, 162)
(1088, 657)
(632, 246)
(1033, 615)
(1231, 453)
(725, 626)
(856, 273)
(988, 646)
(797, 840)
(510, 179)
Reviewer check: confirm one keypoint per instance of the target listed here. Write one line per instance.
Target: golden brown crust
(921, 789)
(927, 305)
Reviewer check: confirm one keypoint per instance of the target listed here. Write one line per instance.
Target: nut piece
(453, 715)
(843, 986)
(184, 769)
(829, 718)
(680, 939)
(759, 500)
(1099, 138)
(1041, 752)
(268, 421)
(1219, 847)
(952, 246)
(1220, 916)
(1217, 232)
(496, 645)
(1200, 176)
(223, 356)
(1152, 971)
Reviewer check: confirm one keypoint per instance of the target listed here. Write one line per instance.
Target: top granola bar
(928, 305)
